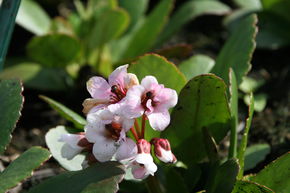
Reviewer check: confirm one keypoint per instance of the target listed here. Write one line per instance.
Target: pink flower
(162, 150)
(152, 99)
(137, 157)
(107, 131)
(143, 164)
(109, 93)
(71, 147)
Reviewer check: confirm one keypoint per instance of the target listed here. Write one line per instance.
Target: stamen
(113, 131)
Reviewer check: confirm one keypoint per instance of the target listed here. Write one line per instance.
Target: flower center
(148, 95)
(118, 93)
(113, 131)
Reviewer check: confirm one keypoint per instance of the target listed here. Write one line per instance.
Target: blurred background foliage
(58, 45)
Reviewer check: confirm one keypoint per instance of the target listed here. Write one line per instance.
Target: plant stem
(137, 127)
(134, 133)
(143, 125)
(153, 185)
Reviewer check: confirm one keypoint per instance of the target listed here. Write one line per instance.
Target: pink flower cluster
(113, 112)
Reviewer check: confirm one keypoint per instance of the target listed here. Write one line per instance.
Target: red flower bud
(162, 150)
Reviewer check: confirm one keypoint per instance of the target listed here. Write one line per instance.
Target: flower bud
(162, 150)
(143, 146)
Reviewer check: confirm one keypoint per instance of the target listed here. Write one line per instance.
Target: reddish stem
(144, 117)
(134, 133)
(137, 127)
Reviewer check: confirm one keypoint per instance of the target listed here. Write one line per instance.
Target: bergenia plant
(113, 111)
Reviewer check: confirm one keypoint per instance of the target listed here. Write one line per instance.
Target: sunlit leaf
(58, 148)
(22, 167)
(33, 18)
(276, 175)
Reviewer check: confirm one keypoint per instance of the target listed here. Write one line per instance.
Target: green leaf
(189, 11)
(255, 154)
(22, 167)
(278, 7)
(110, 185)
(276, 175)
(271, 35)
(57, 148)
(247, 186)
(196, 65)
(174, 181)
(54, 50)
(11, 101)
(65, 112)
(143, 38)
(249, 4)
(233, 90)
(202, 103)
(33, 18)
(225, 177)
(35, 76)
(8, 12)
(260, 101)
(99, 175)
(243, 145)
(165, 72)
(110, 25)
(136, 10)
(238, 50)
(250, 85)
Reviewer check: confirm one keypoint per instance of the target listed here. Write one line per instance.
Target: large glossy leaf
(57, 148)
(225, 177)
(202, 103)
(165, 72)
(196, 65)
(143, 39)
(188, 11)
(22, 167)
(11, 101)
(247, 186)
(276, 175)
(100, 175)
(238, 50)
(54, 50)
(109, 26)
(33, 18)
(67, 113)
(255, 154)
(244, 142)
(36, 76)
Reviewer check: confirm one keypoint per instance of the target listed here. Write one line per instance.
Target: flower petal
(139, 172)
(104, 149)
(99, 88)
(132, 107)
(68, 152)
(166, 98)
(127, 150)
(159, 120)
(118, 75)
(149, 81)
(72, 140)
(90, 103)
(130, 80)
